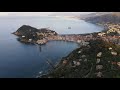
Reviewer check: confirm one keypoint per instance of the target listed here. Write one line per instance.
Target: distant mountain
(104, 17)
(72, 14)
(81, 15)
(94, 14)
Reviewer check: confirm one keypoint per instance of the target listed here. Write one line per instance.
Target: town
(110, 34)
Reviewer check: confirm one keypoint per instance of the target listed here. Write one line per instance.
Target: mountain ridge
(111, 17)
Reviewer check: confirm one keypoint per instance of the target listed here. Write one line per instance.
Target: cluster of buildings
(46, 32)
(111, 28)
(74, 38)
(48, 35)
(112, 39)
(81, 39)
(42, 41)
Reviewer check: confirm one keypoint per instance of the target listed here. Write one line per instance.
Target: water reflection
(40, 48)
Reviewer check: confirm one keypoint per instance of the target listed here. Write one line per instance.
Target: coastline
(63, 64)
(77, 38)
(67, 52)
(96, 64)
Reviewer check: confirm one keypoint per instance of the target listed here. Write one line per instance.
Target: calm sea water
(18, 60)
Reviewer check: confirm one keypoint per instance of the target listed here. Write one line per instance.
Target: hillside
(90, 62)
(30, 34)
(113, 17)
(95, 14)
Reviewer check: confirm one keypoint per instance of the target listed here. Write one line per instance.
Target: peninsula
(28, 34)
(100, 58)
(97, 57)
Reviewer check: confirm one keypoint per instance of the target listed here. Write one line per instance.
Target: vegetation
(28, 34)
(111, 18)
(88, 65)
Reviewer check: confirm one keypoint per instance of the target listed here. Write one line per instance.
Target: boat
(69, 27)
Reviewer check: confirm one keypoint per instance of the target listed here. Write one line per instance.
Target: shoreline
(76, 56)
(77, 38)
(80, 39)
(63, 60)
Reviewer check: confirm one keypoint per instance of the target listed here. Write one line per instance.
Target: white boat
(69, 27)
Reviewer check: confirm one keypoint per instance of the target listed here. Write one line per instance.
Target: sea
(19, 60)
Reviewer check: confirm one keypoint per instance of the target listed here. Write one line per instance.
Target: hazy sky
(39, 13)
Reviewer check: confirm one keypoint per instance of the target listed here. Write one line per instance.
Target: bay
(18, 60)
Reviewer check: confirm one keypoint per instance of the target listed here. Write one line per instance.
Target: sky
(40, 13)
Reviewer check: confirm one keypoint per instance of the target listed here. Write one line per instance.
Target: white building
(23, 36)
(30, 40)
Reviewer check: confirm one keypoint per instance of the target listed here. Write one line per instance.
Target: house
(23, 36)
(79, 41)
(30, 40)
(101, 34)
